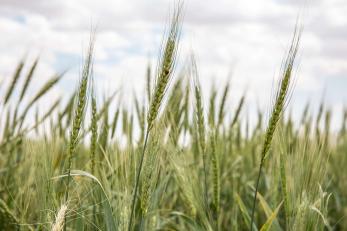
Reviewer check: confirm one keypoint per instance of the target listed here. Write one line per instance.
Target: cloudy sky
(240, 40)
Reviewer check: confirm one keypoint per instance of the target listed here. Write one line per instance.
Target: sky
(240, 41)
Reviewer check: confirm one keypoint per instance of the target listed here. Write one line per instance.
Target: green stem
(133, 202)
(256, 192)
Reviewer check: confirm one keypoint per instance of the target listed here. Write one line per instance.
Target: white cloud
(244, 37)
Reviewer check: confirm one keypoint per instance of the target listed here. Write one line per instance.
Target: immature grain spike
(177, 118)
(115, 121)
(318, 120)
(281, 94)
(130, 129)
(280, 100)
(327, 121)
(104, 132)
(106, 105)
(44, 89)
(137, 109)
(125, 121)
(14, 81)
(28, 79)
(14, 118)
(94, 130)
(289, 125)
(37, 120)
(166, 65)
(200, 119)
(305, 114)
(221, 112)
(7, 125)
(165, 69)
(46, 115)
(140, 113)
(212, 107)
(186, 108)
(238, 111)
(173, 110)
(175, 97)
(93, 138)
(79, 112)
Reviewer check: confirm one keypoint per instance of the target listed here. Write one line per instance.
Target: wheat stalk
(281, 96)
(28, 79)
(14, 81)
(79, 114)
(162, 81)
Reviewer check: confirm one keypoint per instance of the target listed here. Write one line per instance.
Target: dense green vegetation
(186, 163)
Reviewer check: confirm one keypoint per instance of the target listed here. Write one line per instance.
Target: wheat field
(174, 160)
